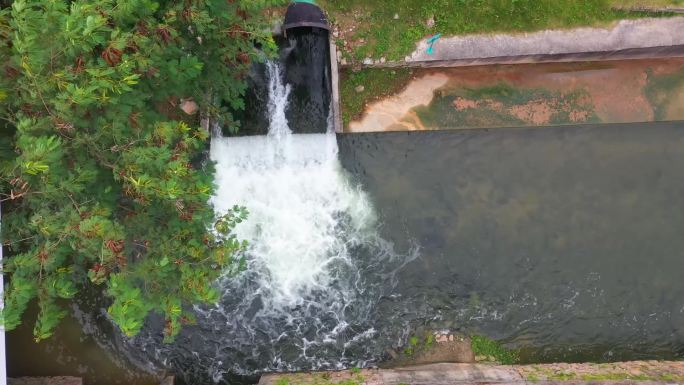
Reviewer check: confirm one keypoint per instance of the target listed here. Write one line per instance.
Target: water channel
(563, 241)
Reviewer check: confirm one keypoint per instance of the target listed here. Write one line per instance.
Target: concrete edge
(650, 9)
(461, 373)
(335, 80)
(661, 52)
(55, 380)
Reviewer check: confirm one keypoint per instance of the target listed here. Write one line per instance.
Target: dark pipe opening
(303, 14)
(305, 61)
(307, 71)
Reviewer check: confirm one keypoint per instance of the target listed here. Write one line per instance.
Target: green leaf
(35, 168)
(101, 163)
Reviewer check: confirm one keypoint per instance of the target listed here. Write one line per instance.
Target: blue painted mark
(431, 42)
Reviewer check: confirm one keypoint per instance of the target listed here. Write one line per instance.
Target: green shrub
(104, 185)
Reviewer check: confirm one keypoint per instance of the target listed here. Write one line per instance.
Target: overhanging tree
(107, 184)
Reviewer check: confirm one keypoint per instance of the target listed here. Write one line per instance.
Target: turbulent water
(315, 265)
(305, 216)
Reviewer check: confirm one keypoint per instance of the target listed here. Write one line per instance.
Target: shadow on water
(79, 348)
(87, 345)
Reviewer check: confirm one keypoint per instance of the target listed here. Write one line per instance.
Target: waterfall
(278, 95)
(303, 299)
(304, 213)
(316, 267)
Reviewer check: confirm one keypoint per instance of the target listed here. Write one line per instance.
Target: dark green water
(80, 347)
(566, 241)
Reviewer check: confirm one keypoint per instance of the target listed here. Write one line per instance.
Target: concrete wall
(636, 372)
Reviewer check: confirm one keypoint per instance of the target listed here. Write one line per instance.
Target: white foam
(278, 95)
(304, 214)
(316, 265)
(297, 196)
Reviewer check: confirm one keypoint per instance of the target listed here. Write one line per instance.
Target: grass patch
(391, 28)
(377, 83)
(484, 346)
(413, 345)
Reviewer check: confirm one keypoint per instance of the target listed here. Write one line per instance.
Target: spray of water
(316, 266)
(305, 215)
(304, 299)
(278, 94)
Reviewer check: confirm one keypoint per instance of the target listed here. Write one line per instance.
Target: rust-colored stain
(606, 92)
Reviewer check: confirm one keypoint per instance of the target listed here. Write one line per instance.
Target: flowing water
(304, 56)
(564, 241)
(315, 267)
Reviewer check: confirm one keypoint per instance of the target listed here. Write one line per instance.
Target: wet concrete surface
(533, 95)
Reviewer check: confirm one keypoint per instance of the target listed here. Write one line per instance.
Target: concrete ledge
(627, 39)
(626, 34)
(665, 9)
(434, 374)
(63, 380)
(438, 374)
(660, 52)
(335, 83)
(636, 372)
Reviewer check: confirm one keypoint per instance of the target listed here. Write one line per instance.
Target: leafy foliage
(106, 184)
